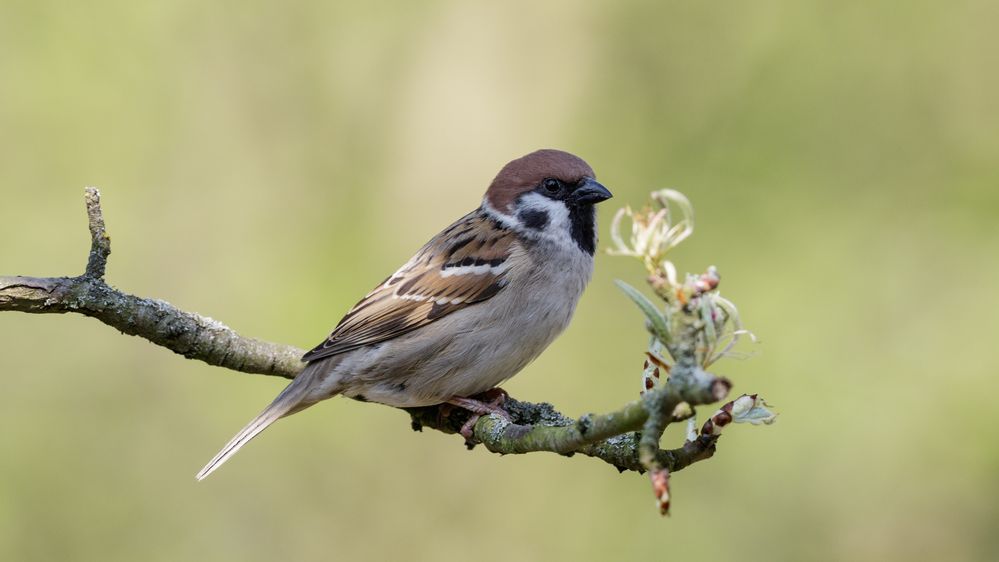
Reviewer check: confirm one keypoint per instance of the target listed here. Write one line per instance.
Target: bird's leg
(479, 408)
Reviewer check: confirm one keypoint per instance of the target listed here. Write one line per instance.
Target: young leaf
(750, 408)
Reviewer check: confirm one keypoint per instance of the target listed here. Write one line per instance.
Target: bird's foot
(488, 402)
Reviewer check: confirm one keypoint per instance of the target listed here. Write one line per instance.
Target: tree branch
(627, 438)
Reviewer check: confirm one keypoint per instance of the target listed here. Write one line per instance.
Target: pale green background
(267, 163)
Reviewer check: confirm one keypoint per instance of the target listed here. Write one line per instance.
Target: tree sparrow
(475, 305)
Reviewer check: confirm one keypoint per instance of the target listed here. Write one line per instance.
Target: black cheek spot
(359, 398)
(534, 219)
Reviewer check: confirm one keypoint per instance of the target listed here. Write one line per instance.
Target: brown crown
(525, 173)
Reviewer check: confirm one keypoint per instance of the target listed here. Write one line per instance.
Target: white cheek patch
(557, 227)
(537, 212)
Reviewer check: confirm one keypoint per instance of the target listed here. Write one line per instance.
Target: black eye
(551, 185)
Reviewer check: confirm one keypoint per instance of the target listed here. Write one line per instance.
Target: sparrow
(477, 303)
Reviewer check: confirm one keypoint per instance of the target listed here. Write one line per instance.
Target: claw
(479, 408)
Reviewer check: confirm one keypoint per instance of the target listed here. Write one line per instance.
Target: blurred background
(266, 163)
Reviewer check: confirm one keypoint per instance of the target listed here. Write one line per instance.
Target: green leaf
(657, 320)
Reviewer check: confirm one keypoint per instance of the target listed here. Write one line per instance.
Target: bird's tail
(292, 399)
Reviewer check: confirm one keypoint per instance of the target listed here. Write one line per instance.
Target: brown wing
(465, 264)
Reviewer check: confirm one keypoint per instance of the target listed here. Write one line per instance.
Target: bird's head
(548, 194)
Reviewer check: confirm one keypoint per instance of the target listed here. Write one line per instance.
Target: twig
(100, 242)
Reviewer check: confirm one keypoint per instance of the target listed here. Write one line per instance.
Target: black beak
(590, 193)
